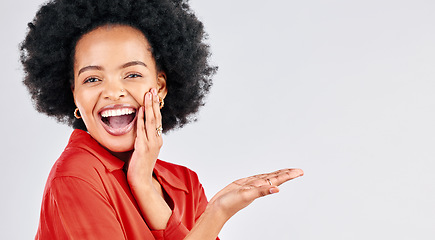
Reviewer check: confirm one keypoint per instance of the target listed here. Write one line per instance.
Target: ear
(74, 96)
(161, 85)
(72, 90)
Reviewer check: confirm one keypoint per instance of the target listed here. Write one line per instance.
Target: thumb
(266, 190)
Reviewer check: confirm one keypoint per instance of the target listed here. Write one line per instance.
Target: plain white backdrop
(342, 89)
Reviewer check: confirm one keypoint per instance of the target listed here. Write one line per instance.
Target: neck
(124, 156)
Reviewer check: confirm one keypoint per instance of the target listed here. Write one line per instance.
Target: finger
(157, 114)
(150, 121)
(251, 194)
(272, 179)
(156, 106)
(281, 176)
(140, 125)
(140, 131)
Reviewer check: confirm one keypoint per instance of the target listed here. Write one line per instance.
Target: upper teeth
(116, 112)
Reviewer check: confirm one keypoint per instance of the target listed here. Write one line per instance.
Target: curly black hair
(177, 43)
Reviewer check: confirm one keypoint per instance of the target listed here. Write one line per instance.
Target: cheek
(85, 101)
(139, 90)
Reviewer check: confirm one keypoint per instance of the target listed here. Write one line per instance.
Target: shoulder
(177, 176)
(83, 158)
(78, 164)
(175, 169)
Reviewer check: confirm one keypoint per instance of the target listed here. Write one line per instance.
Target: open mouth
(118, 120)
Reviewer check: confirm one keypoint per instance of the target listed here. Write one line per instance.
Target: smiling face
(113, 69)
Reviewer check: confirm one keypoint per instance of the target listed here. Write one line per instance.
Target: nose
(113, 90)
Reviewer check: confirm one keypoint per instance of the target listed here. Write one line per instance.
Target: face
(113, 70)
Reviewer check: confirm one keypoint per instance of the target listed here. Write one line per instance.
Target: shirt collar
(82, 139)
(164, 173)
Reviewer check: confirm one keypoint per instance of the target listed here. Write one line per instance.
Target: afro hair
(175, 34)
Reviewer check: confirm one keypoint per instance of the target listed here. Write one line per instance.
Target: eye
(133, 75)
(91, 80)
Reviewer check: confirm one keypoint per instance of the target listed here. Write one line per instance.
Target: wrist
(209, 223)
(141, 184)
(215, 211)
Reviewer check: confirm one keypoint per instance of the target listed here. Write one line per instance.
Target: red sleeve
(74, 209)
(175, 230)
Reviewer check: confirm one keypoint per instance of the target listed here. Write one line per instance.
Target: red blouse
(87, 197)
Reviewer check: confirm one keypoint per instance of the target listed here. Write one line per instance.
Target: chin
(120, 144)
(120, 149)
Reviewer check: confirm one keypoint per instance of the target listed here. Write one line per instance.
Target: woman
(121, 72)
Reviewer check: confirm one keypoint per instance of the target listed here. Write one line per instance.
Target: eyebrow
(132, 63)
(99, 68)
(88, 68)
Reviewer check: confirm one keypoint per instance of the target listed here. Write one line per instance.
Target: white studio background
(342, 89)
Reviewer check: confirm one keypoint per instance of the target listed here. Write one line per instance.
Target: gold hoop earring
(76, 113)
(161, 102)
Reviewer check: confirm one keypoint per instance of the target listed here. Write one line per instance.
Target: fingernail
(274, 190)
(154, 91)
(150, 96)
